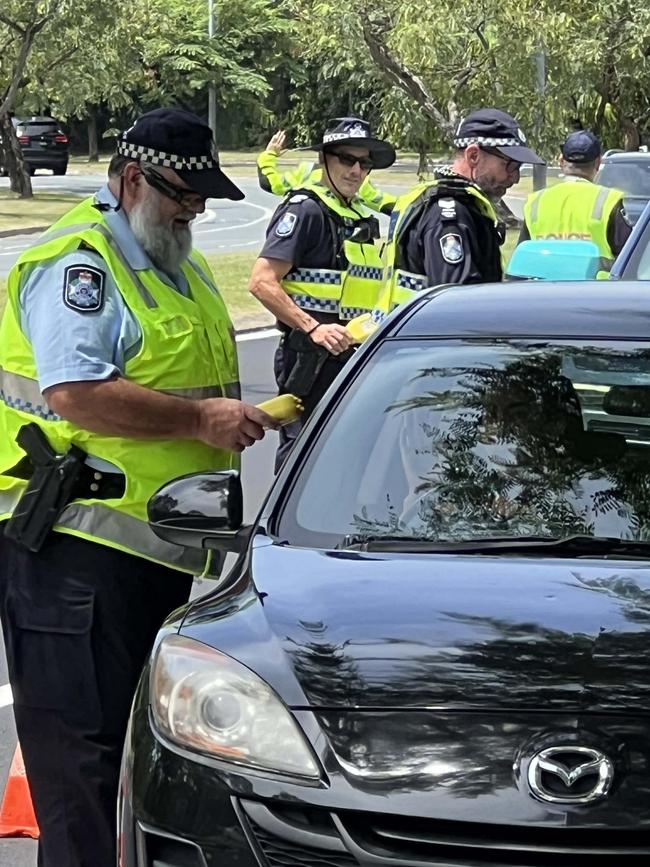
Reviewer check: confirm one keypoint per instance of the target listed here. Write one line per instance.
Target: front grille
(458, 844)
(282, 853)
(295, 837)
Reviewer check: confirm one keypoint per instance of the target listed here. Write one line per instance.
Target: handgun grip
(33, 441)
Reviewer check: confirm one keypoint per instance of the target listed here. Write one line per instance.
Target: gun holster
(310, 359)
(48, 491)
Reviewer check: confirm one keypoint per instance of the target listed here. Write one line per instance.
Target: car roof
(625, 155)
(36, 119)
(528, 308)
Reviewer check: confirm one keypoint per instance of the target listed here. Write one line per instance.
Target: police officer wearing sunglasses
(446, 230)
(118, 370)
(320, 265)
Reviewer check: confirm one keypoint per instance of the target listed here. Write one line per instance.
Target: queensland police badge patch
(83, 288)
(286, 225)
(452, 248)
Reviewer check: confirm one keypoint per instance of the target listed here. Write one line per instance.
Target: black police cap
(181, 141)
(581, 146)
(496, 129)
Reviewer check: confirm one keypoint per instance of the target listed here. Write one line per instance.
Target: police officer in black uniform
(447, 230)
(319, 256)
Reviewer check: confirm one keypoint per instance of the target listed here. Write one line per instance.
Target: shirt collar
(575, 179)
(120, 227)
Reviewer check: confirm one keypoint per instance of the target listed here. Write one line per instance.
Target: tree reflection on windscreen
(517, 443)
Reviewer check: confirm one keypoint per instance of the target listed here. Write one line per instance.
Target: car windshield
(39, 127)
(462, 441)
(629, 175)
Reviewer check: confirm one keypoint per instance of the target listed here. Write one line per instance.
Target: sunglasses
(511, 165)
(182, 195)
(365, 163)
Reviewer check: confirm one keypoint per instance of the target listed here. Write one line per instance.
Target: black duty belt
(91, 483)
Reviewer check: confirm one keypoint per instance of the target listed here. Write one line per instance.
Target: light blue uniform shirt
(70, 345)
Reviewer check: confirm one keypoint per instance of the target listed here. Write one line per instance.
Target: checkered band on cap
(354, 132)
(160, 158)
(488, 141)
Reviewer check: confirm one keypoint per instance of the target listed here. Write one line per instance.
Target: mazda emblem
(570, 775)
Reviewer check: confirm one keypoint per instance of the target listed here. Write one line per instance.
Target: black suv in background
(43, 142)
(628, 171)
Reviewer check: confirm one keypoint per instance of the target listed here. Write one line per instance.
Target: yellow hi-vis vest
(282, 183)
(398, 284)
(574, 210)
(187, 349)
(345, 293)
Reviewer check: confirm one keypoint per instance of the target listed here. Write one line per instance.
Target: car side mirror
(201, 510)
(554, 259)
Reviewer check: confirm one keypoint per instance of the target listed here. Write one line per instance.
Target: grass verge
(41, 210)
(231, 272)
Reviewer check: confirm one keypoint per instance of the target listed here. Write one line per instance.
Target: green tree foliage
(128, 57)
(410, 66)
(452, 56)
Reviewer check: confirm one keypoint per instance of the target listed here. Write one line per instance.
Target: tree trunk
(19, 180)
(93, 148)
(631, 137)
(423, 168)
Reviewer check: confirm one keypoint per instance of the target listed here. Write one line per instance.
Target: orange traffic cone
(17, 817)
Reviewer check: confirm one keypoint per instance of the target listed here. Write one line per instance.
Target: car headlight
(205, 701)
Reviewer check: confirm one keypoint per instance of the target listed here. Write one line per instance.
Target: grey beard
(166, 246)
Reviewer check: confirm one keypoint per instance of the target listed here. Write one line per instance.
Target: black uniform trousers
(283, 364)
(79, 619)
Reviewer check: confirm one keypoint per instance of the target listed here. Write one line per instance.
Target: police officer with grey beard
(119, 373)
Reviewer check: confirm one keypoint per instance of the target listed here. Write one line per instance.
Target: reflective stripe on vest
(24, 394)
(98, 522)
(324, 276)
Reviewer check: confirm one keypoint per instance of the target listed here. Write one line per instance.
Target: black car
(628, 171)
(43, 143)
(633, 262)
(434, 645)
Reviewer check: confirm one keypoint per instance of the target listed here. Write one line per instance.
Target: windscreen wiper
(543, 546)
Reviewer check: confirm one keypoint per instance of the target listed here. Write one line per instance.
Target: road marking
(6, 697)
(266, 213)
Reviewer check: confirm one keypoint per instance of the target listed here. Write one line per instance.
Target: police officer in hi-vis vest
(273, 180)
(119, 372)
(578, 208)
(446, 230)
(320, 265)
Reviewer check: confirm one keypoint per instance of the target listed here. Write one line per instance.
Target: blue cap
(581, 147)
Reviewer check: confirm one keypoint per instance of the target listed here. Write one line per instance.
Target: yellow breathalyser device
(285, 408)
(361, 327)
